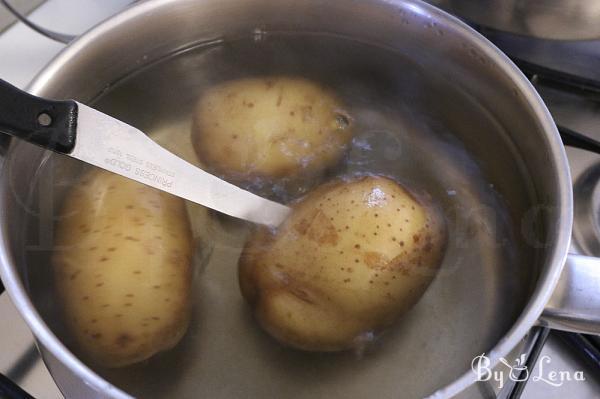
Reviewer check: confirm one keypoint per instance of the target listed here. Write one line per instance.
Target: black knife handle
(48, 123)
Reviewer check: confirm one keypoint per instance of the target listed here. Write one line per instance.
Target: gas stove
(24, 52)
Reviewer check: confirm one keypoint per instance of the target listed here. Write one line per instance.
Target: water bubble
(259, 35)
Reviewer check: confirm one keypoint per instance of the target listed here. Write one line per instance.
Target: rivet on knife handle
(48, 123)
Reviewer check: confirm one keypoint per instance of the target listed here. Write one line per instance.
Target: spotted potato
(122, 267)
(349, 261)
(270, 130)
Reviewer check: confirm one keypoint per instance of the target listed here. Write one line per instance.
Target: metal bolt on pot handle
(575, 303)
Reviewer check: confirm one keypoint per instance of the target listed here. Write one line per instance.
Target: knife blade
(84, 133)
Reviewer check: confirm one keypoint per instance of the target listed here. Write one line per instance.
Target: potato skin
(352, 258)
(262, 130)
(122, 267)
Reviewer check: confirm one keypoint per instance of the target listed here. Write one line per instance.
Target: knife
(74, 129)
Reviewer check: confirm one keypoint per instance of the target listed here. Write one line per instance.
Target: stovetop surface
(24, 53)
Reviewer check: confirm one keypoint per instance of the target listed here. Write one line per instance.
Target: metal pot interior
(431, 109)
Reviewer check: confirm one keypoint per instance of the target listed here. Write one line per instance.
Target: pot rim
(528, 317)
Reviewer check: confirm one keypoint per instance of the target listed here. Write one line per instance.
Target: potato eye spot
(342, 120)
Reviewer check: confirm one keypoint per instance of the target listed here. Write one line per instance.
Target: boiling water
(405, 127)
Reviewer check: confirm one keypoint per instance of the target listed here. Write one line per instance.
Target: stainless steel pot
(544, 19)
(469, 87)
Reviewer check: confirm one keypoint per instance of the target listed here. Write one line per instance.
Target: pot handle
(575, 302)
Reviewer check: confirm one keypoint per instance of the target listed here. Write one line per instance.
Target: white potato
(122, 266)
(352, 258)
(265, 130)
